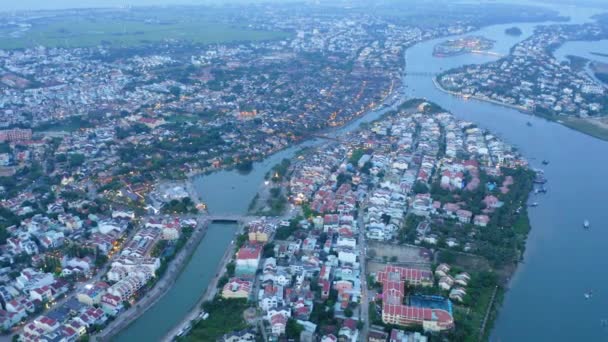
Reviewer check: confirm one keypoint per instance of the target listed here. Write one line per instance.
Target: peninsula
(417, 187)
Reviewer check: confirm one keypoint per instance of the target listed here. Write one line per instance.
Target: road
(162, 286)
(364, 306)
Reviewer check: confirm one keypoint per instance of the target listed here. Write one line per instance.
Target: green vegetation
(279, 171)
(184, 206)
(513, 31)
(293, 329)
(245, 166)
(71, 124)
(577, 63)
(225, 315)
(355, 156)
(285, 232)
(276, 202)
(132, 29)
(5, 148)
(470, 315)
(165, 260)
(587, 126)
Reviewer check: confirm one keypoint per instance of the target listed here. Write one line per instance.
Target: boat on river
(545, 162)
(586, 224)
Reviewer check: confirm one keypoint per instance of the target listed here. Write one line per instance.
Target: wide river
(545, 301)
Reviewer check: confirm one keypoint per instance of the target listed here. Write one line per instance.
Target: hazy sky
(11, 5)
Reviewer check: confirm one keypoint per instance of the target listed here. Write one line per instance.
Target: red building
(15, 134)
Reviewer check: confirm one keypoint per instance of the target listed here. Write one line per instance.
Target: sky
(10, 5)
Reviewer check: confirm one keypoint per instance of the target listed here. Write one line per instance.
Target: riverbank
(209, 293)
(585, 126)
(159, 290)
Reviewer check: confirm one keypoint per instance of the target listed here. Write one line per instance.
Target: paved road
(364, 306)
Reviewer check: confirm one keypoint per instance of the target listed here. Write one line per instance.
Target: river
(545, 301)
(561, 261)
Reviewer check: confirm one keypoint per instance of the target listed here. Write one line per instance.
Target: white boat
(588, 294)
(586, 224)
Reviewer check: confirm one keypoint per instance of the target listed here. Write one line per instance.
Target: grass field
(130, 30)
(589, 126)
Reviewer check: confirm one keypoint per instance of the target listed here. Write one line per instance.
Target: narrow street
(364, 305)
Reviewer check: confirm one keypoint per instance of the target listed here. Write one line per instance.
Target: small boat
(586, 224)
(588, 295)
(545, 162)
(533, 205)
(529, 124)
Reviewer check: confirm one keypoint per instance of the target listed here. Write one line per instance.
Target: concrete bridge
(420, 73)
(230, 218)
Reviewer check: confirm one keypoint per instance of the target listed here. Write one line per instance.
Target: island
(455, 47)
(532, 80)
(513, 31)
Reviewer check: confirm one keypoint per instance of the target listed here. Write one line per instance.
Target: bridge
(230, 218)
(326, 137)
(420, 73)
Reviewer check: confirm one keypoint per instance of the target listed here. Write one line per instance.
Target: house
(329, 338)
(442, 270)
(278, 322)
(446, 282)
(492, 202)
(462, 279)
(481, 220)
(398, 335)
(464, 216)
(237, 288)
(412, 276)
(347, 257)
(458, 294)
(111, 304)
(348, 332)
(377, 336)
(246, 335)
(247, 260)
(260, 231)
(8, 319)
(92, 293)
(42, 294)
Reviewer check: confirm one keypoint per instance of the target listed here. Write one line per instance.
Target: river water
(545, 301)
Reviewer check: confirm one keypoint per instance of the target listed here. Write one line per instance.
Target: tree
(268, 250)
(420, 188)
(348, 312)
(293, 329)
(75, 159)
(175, 91)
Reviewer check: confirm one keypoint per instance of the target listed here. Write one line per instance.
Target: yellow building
(237, 288)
